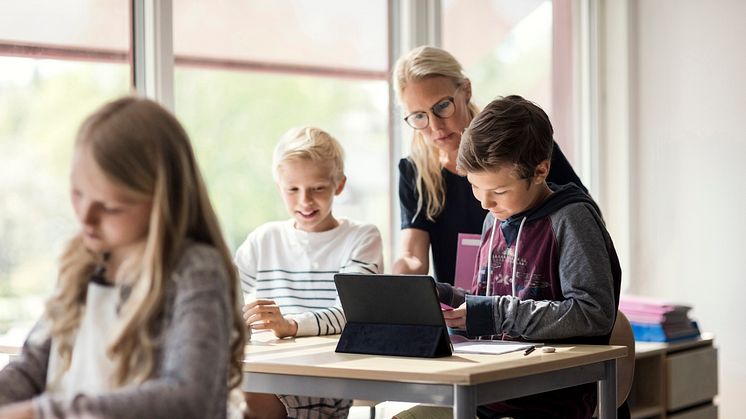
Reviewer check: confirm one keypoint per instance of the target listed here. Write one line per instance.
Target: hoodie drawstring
(489, 259)
(515, 256)
(488, 291)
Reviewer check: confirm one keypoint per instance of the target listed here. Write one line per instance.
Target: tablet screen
(389, 299)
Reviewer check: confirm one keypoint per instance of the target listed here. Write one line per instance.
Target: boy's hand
(266, 315)
(456, 318)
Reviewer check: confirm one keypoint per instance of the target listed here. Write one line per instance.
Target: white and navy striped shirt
(296, 269)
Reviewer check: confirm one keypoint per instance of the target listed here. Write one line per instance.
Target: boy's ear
(340, 186)
(541, 172)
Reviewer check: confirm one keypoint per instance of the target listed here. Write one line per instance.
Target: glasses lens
(445, 108)
(417, 120)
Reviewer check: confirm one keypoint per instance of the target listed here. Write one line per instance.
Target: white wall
(686, 116)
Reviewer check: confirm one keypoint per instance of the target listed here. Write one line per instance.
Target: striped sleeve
(367, 253)
(325, 321)
(328, 321)
(246, 264)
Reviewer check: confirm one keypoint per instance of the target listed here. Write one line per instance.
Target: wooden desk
(310, 367)
(11, 350)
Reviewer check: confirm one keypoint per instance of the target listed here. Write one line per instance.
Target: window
(529, 48)
(57, 67)
(246, 72)
(505, 47)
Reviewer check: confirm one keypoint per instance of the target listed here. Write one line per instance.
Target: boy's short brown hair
(510, 130)
(313, 144)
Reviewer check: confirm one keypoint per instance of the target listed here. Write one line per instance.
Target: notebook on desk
(491, 347)
(392, 315)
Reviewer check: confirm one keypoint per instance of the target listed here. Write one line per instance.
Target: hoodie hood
(562, 196)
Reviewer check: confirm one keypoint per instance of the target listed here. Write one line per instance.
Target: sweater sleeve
(25, 375)
(366, 257)
(190, 380)
(586, 280)
(448, 294)
(246, 262)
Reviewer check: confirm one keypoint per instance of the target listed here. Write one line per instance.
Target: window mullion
(411, 23)
(152, 50)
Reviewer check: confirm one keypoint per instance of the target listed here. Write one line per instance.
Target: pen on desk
(529, 350)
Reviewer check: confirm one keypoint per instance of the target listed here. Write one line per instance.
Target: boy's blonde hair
(142, 147)
(313, 144)
(419, 64)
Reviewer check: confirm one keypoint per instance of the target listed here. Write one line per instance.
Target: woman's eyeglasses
(443, 109)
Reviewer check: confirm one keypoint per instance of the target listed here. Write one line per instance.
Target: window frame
(410, 23)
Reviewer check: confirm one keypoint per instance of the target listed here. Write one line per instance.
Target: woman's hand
(19, 410)
(415, 252)
(456, 318)
(266, 315)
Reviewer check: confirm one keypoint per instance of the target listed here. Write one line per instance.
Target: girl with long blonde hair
(436, 202)
(145, 319)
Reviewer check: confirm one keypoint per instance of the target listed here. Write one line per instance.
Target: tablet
(389, 299)
(395, 315)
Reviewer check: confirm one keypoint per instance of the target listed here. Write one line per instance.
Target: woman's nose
(436, 123)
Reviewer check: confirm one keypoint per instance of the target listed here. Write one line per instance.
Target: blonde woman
(145, 320)
(436, 202)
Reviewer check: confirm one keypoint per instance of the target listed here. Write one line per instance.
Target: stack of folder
(655, 320)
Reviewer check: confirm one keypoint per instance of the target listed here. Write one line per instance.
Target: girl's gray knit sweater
(191, 361)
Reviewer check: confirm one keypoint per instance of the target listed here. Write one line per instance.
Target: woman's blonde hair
(419, 64)
(142, 147)
(313, 144)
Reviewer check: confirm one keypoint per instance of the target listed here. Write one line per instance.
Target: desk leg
(607, 392)
(464, 402)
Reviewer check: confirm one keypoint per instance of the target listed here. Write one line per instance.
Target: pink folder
(467, 251)
(653, 310)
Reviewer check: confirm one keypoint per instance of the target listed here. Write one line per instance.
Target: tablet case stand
(395, 339)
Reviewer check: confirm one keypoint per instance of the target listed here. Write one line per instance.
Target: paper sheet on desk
(494, 347)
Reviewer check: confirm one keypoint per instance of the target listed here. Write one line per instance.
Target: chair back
(622, 335)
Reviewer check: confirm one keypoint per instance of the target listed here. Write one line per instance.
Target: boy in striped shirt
(287, 267)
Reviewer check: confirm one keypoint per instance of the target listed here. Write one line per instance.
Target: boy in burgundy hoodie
(547, 268)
